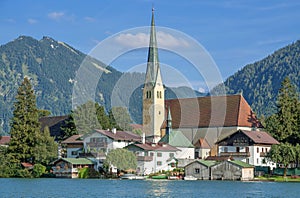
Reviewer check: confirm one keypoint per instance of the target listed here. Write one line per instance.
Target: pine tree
(25, 126)
(284, 125)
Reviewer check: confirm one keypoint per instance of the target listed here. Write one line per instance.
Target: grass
(278, 179)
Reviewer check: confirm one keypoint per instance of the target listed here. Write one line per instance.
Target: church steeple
(153, 91)
(153, 70)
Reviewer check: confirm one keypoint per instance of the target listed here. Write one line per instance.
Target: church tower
(153, 92)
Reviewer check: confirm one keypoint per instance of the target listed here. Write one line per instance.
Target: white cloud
(89, 19)
(32, 21)
(56, 15)
(164, 40)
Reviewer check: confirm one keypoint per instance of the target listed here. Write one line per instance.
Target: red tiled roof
(4, 140)
(202, 143)
(73, 139)
(260, 137)
(156, 147)
(120, 135)
(27, 165)
(212, 111)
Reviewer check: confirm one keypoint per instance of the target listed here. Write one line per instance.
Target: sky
(234, 33)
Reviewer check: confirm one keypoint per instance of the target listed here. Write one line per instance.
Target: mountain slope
(52, 67)
(259, 82)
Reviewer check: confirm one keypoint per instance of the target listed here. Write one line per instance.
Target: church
(202, 121)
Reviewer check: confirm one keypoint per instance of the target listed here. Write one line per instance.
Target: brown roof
(156, 147)
(73, 139)
(120, 135)
(4, 140)
(212, 111)
(260, 137)
(54, 123)
(202, 143)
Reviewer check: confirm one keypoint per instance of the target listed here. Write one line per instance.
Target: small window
(159, 154)
(74, 153)
(171, 154)
(151, 154)
(159, 163)
(257, 150)
(237, 149)
(262, 150)
(197, 170)
(225, 149)
(257, 160)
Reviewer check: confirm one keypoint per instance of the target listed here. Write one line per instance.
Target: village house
(199, 169)
(4, 140)
(232, 170)
(69, 167)
(248, 146)
(153, 157)
(72, 146)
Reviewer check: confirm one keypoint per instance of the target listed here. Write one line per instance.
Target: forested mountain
(52, 65)
(259, 82)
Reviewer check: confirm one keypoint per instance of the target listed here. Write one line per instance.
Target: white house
(153, 157)
(106, 140)
(248, 146)
(72, 146)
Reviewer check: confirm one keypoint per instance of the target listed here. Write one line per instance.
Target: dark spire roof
(153, 62)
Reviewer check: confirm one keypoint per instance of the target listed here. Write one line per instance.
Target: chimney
(143, 138)
(114, 130)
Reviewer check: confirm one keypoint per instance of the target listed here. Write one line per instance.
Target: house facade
(248, 146)
(72, 146)
(69, 167)
(199, 169)
(103, 141)
(153, 157)
(232, 170)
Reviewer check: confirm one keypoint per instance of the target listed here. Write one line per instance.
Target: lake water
(143, 188)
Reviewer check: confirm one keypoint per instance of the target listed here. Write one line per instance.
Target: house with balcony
(153, 158)
(103, 141)
(72, 146)
(248, 146)
(69, 167)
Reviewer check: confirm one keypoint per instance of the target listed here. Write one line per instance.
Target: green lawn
(278, 179)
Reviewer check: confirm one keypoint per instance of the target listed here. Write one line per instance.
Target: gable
(177, 139)
(247, 138)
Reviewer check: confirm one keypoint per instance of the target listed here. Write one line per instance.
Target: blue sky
(234, 32)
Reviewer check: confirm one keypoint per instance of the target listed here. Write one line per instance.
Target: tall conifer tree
(284, 125)
(25, 127)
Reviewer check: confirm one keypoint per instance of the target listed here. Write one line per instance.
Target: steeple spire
(153, 69)
(169, 122)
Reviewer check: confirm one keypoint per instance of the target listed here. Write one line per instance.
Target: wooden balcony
(235, 154)
(145, 158)
(97, 144)
(262, 154)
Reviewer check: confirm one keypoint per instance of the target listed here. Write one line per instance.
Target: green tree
(102, 117)
(38, 170)
(120, 118)
(85, 118)
(68, 128)
(121, 158)
(284, 125)
(25, 127)
(283, 153)
(46, 149)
